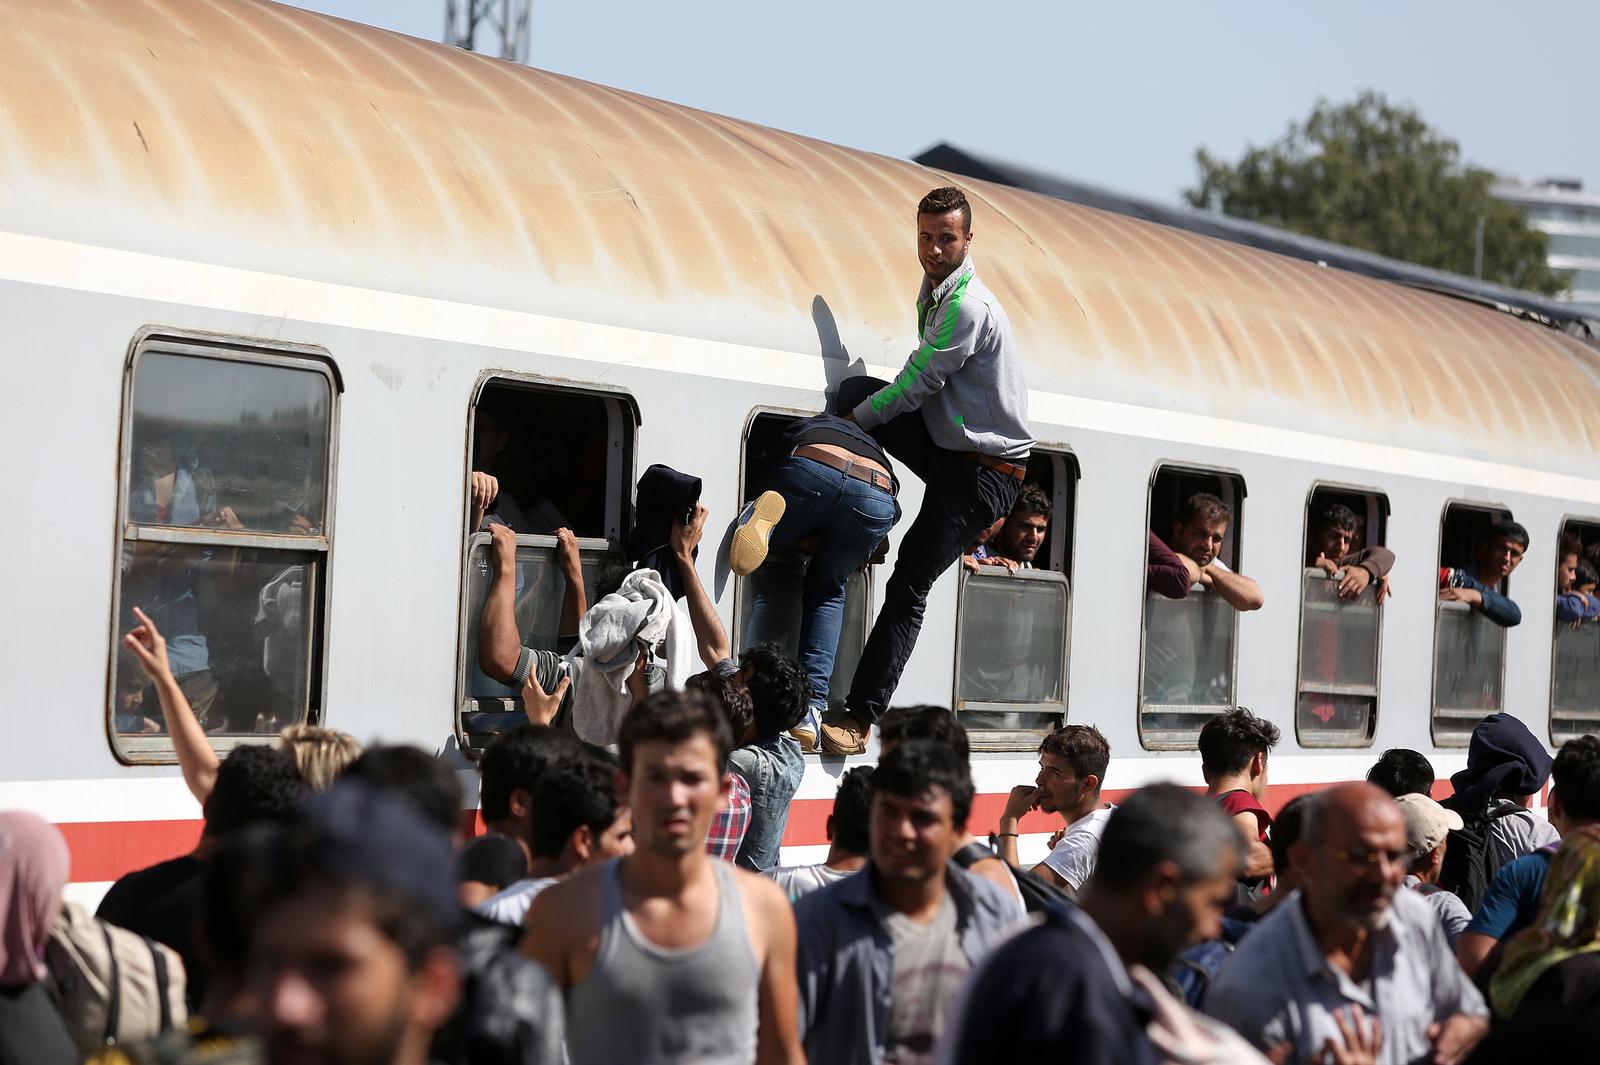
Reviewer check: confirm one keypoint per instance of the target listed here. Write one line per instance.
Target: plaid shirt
(729, 826)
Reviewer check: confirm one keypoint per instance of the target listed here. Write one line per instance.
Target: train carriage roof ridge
(247, 134)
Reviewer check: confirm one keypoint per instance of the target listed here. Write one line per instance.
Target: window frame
(1236, 537)
(619, 511)
(132, 749)
(1557, 739)
(1377, 506)
(1026, 739)
(1439, 607)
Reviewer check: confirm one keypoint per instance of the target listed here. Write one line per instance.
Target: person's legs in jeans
(810, 492)
(960, 500)
(862, 516)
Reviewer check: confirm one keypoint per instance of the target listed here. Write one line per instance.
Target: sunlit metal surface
(249, 134)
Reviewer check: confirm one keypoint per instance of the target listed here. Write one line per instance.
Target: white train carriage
(259, 268)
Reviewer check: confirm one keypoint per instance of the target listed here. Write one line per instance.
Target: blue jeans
(849, 518)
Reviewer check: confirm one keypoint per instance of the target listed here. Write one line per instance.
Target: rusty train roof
(249, 134)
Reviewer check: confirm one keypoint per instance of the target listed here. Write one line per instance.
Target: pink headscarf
(33, 872)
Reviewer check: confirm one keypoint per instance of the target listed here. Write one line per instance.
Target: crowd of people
(624, 901)
(335, 911)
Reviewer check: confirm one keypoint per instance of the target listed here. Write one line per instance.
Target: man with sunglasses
(1352, 958)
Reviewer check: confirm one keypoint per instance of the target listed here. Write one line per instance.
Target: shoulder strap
(159, 960)
(972, 854)
(113, 988)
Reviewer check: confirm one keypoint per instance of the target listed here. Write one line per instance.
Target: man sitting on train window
(1197, 536)
(1020, 535)
(957, 416)
(1480, 587)
(1331, 548)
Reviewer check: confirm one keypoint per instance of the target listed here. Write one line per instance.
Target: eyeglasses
(1368, 856)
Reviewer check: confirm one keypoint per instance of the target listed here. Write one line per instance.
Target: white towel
(637, 615)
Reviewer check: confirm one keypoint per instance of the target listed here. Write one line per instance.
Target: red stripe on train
(106, 850)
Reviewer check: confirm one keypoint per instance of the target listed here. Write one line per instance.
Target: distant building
(1579, 319)
(1570, 217)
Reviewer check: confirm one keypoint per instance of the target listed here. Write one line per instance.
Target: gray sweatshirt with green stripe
(965, 378)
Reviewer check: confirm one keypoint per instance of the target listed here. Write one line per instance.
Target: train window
(1575, 655)
(767, 602)
(1340, 624)
(225, 508)
(1187, 655)
(542, 458)
(1469, 648)
(1012, 625)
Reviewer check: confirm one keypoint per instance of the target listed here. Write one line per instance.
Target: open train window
(768, 601)
(1575, 655)
(1341, 617)
(1187, 653)
(225, 521)
(1474, 609)
(542, 457)
(1013, 621)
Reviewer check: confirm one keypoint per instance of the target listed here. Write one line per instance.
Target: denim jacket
(846, 959)
(772, 767)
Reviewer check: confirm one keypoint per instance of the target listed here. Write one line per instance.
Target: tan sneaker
(845, 737)
(805, 733)
(749, 547)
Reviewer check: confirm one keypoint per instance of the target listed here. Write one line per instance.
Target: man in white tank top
(667, 954)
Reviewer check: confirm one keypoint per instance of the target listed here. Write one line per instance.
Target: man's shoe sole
(833, 746)
(749, 547)
(807, 740)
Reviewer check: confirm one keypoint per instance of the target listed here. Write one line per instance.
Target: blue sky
(1116, 93)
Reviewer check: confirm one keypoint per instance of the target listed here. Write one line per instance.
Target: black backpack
(1466, 868)
(1037, 896)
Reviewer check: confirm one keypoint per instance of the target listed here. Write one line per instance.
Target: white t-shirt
(1074, 857)
(511, 905)
(800, 880)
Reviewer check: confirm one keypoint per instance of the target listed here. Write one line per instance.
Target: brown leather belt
(856, 468)
(1010, 469)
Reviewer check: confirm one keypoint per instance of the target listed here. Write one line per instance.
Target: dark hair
(1575, 777)
(1083, 748)
(515, 760)
(779, 688)
(946, 199)
(1228, 741)
(571, 794)
(914, 766)
(1400, 772)
(1287, 829)
(609, 573)
(1203, 506)
(1587, 574)
(1509, 530)
(1032, 500)
(674, 717)
(416, 776)
(255, 783)
(903, 723)
(1167, 823)
(852, 809)
(731, 697)
(1335, 516)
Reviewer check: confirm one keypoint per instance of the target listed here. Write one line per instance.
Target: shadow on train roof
(1554, 313)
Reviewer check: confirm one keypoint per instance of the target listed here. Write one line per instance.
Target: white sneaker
(806, 731)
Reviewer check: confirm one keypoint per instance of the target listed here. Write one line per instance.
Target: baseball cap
(1427, 823)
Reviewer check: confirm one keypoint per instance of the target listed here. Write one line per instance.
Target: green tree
(1373, 175)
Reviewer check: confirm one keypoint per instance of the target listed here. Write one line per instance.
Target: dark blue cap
(377, 838)
(1503, 756)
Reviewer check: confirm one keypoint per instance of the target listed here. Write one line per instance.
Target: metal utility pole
(493, 27)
